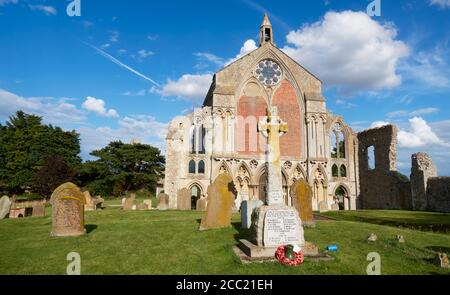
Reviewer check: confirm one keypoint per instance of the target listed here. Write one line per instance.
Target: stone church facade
(222, 136)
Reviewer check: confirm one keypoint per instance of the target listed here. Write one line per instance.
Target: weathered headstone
(68, 211)
(441, 260)
(323, 206)
(372, 238)
(334, 207)
(39, 210)
(163, 201)
(221, 195)
(148, 203)
(184, 200)
(5, 206)
(128, 205)
(90, 206)
(400, 239)
(302, 199)
(201, 204)
(123, 201)
(247, 208)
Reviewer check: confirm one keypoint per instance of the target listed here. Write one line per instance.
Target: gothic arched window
(335, 171)
(201, 167)
(343, 171)
(191, 167)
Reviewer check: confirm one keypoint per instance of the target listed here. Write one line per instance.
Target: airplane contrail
(121, 64)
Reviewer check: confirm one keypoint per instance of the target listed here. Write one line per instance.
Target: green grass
(156, 242)
(426, 221)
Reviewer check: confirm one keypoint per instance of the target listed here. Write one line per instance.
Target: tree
(54, 173)
(123, 167)
(25, 142)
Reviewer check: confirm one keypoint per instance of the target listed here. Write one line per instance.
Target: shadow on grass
(242, 233)
(444, 249)
(90, 228)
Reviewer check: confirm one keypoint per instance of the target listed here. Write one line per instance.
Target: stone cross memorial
(68, 211)
(274, 224)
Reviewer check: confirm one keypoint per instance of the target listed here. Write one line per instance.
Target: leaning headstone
(68, 211)
(302, 200)
(128, 205)
(201, 204)
(148, 203)
(441, 260)
(39, 210)
(221, 195)
(323, 207)
(334, 207)
(90, 206)
(184, 200)
(247, 208)
(163, 201)
(98, 202)
(5, 206)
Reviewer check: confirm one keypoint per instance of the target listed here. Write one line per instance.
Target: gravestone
(123, 201)
(67, 211)
(441, 260)
(323, 207)
(39, 210)
(372, 238)
(163, 201)
(302, 200)
(184, 200)
(128, 205)
(201, 204)
(148, 203)
(5, 207)
(274, 224)
(221, 195)
(247, 208)
(334, 207)
(90, 206)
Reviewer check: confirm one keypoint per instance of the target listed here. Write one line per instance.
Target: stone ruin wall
(382, 187)
(429, 192)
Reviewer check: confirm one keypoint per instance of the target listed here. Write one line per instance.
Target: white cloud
(56, 111)
(141, 92)
(48, 10)
(145, 53)
(114, 36)
(430, 67)
(97, 106)
(249, 46)
(212, 58)
(415, 113)
(5, 2)
(187, 87)
(378, 124)
(441, 3)
(349, 50)
(419, 134)
(146, 129)
(152, 37)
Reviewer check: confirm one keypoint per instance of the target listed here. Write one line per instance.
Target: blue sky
(124, 69)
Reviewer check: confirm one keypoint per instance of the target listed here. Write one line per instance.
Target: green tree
(123, 167)
(52, 174)
(25, 142)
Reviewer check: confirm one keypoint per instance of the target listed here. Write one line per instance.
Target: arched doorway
(196, 194)
(342, 198)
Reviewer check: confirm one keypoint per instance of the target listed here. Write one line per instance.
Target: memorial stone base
(273, 226)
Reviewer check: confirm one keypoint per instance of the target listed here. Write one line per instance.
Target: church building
(222, 136)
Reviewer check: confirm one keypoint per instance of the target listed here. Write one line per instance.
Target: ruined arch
(221, 168)
(197, 191)
(341, 196)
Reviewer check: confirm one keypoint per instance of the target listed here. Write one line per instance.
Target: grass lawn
(169, 243)
(427, 221)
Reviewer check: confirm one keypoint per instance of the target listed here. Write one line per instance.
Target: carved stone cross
(272, 127)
